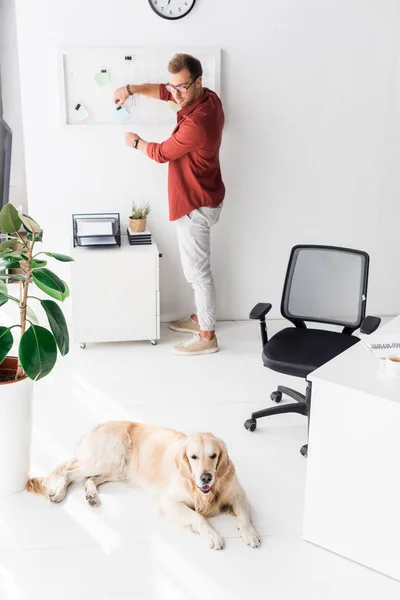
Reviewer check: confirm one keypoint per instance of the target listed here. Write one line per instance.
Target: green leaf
(35, 237)
(3, 293)
(17, 254)
(49, 282)
(38, 264)
(58, 325)
(29, 224)
(5, 296)
(8, 244)
(14, 277)
(61, 257)
(67, 292)
(32, 316)
(9, 219)
(6, 342)
(8, 263)
(6, 252)
(13, 298)
(37, 352)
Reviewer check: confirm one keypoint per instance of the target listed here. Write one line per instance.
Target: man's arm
(190, 136)
(151, 90)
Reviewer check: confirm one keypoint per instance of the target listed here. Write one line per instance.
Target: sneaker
(196, 345)
(185, 326)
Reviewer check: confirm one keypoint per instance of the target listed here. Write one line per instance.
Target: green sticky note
(80, 113)
(174, 106)
(102, 77)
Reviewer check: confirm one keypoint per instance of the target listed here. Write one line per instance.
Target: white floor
(123, 550)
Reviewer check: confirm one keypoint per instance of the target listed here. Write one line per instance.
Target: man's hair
(185, 61)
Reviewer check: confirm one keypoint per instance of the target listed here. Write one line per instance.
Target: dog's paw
(58, 495)
(215, 541)
(251, 537)
(93, 500)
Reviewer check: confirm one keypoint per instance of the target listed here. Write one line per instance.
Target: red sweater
(194, 175)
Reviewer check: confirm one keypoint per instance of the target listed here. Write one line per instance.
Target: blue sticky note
(122, 113)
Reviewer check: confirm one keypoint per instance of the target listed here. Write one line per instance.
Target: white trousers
(194, 246)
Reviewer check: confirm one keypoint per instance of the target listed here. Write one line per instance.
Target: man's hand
(130, 138)
(120, 95)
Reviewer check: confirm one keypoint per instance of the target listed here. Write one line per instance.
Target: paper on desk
(102, 240)
(383, 345)
(94, 227)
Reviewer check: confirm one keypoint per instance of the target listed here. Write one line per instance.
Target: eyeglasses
(182, 88)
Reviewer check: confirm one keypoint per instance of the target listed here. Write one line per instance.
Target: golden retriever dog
(191, 477)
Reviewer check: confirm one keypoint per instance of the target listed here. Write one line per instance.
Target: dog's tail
(36, 486)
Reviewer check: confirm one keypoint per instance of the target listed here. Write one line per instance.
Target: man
(195, 186)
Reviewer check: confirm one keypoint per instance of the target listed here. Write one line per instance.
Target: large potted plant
(37, 345)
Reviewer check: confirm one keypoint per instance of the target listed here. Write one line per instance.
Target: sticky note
(174, 106)
(102, 77)
(80, 113)
(122, 113)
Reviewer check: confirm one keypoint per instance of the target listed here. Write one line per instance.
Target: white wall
(311, 94)
(10, 99)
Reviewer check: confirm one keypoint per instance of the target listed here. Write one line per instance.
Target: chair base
(301, 406)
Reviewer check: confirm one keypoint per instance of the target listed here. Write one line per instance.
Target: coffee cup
(392, 367)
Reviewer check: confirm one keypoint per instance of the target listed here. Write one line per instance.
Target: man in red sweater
(195, 187)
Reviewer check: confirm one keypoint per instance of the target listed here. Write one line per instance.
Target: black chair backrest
(326, 284)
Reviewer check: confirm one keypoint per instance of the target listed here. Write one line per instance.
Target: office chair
(323, 284)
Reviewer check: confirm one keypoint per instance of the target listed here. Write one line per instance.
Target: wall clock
(172, 9)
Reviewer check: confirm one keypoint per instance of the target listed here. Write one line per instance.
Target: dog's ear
(182, 462)
(224, 463)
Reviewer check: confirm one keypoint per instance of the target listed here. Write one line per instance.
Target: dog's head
(203, 458)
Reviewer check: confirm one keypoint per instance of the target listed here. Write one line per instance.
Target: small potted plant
(37, 346)
(138, 218)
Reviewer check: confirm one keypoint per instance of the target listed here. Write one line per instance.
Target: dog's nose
(206, 477)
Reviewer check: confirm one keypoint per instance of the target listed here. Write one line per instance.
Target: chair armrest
(259, 311)
(370, 324)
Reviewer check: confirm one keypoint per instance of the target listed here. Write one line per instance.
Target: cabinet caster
(250, 424)
(304, 450)
(276, 397)
(153, 342)
(82, 346)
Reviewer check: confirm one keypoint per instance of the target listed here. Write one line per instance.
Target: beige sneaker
(196, 345)
(185, 326)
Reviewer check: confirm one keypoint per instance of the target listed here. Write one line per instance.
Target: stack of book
(139, 238)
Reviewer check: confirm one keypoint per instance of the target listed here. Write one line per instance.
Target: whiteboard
(78, 87)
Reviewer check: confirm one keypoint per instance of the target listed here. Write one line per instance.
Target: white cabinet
(115, 293)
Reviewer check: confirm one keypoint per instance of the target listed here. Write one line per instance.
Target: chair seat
(298, 352)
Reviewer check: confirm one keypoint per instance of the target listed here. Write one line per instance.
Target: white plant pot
(15, 432)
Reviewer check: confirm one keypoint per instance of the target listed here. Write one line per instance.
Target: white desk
(352, 502)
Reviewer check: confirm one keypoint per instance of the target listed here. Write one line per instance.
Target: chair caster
(276, 397)
(250, 424)
(304, 450)
(153, 342)
(82, 346)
